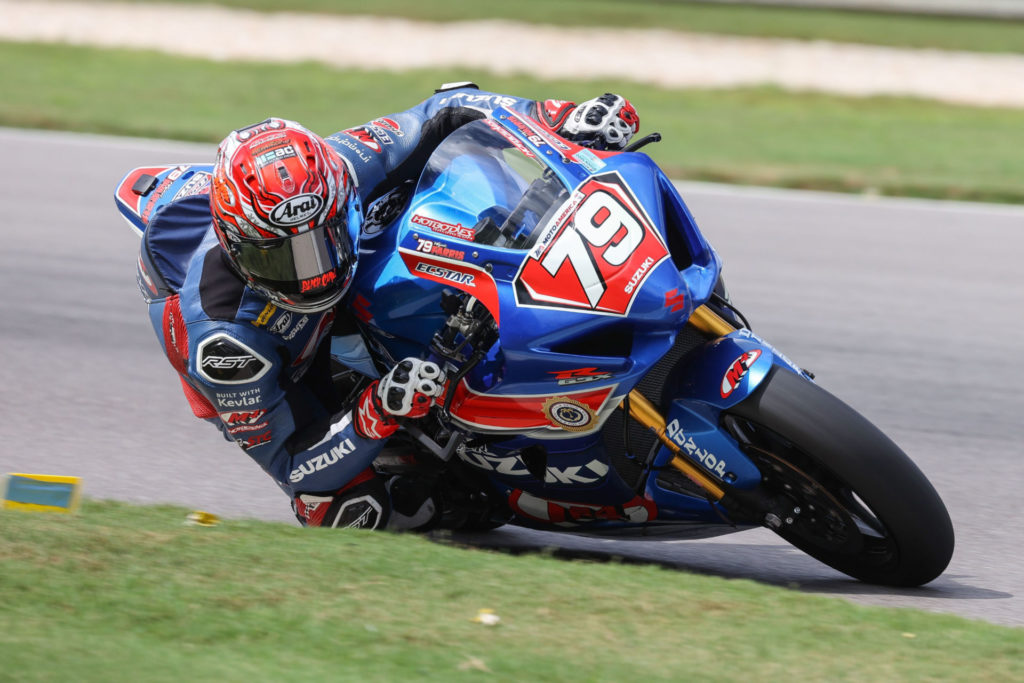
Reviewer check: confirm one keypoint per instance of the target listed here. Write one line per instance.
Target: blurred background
(923, 99)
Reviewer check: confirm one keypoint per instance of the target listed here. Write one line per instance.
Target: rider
(246, 308)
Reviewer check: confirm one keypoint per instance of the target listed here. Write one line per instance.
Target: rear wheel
(841, 490)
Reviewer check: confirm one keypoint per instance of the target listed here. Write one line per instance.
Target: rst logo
(222, 359)
(227, 362)
(595, 257)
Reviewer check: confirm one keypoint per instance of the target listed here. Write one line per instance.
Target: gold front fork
(644, 412)
(706, 320)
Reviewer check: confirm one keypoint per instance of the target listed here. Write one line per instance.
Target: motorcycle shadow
(756, 554)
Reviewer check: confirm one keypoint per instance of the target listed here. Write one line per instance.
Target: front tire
(842, 491)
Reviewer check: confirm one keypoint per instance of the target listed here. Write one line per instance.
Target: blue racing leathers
(261, 373)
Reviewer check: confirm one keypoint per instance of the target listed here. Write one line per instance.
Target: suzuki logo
(674, 300)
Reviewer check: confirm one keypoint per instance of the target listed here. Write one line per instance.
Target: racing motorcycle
(601, 380)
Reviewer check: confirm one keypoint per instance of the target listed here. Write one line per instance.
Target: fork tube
(644, 412)
(706, 320)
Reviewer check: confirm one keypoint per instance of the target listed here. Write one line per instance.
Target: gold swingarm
(644, 412)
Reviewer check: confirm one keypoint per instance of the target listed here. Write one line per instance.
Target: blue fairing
(713, 379)
(449, 238)
(491, 204)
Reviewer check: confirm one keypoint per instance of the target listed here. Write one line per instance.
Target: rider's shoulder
(233, 352)
(179, 224)
(175, 234)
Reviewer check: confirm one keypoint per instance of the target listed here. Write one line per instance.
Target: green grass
(130, 593)
(756, 136)
(985, 35)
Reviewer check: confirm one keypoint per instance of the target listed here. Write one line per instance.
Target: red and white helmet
(279, 201)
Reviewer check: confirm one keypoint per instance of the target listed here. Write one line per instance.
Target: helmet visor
(305, 270)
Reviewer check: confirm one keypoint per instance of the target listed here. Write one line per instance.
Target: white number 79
(598, 219)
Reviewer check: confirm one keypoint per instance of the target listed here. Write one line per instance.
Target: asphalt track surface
(908, 310)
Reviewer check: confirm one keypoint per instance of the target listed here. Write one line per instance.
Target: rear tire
(844, 492)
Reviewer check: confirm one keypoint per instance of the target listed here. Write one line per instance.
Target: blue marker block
(42, 493)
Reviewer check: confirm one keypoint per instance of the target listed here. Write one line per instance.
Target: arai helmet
(280, 207)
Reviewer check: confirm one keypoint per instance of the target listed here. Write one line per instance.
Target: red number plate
(595, 253)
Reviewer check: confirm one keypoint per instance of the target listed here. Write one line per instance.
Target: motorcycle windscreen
(483, 185)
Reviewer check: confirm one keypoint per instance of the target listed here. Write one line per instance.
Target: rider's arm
(392, 149)
(284, 424)
(279, 422)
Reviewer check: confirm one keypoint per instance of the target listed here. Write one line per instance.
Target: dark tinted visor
(303, 268)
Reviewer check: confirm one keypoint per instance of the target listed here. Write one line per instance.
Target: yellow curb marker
(41, 493)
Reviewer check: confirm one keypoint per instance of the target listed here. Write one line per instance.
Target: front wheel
(841, 490)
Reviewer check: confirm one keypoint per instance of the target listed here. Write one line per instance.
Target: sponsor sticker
(569, 414)
(588, 160)
(390, 125)
(222, 359)
(160, 190)
(265, 315)
(199, 183)
(238, 399)
(319, 281)
(253, 441)
(351, 144)
(322, 461)
(675, 300)
(233, 401)
(567, 513)
(579, 376)
(512, 139)
(298, 328)
(737, 371)
(364, 136)
(451, 229)
(439, 249)
(596, 254)
(282, 323)
(296, 210)
(470, 98)
(512, 465)
(275, 154)
(442, 273)
(686, 442)
(245, 421)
